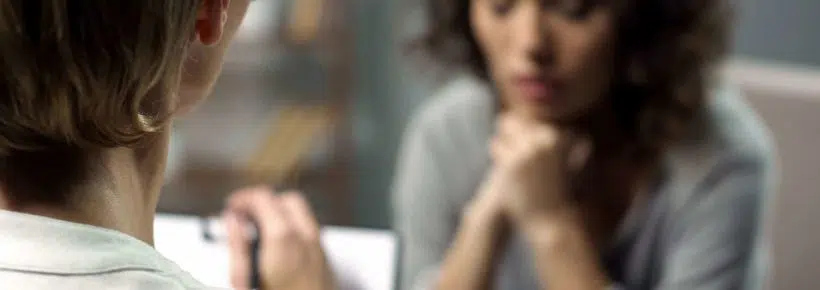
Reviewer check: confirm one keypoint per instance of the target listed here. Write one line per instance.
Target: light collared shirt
(40, 253)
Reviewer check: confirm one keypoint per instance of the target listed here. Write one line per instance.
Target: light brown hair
(79, 76)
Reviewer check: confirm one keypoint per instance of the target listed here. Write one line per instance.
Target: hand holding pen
(290, 255)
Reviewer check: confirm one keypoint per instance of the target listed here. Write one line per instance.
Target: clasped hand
(530, 172)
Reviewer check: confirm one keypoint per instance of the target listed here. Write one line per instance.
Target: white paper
(362, 259)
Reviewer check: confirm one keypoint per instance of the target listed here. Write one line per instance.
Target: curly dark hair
(665, 51)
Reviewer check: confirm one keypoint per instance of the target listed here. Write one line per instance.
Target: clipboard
(362, 259)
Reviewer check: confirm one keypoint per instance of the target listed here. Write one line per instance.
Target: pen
(254, 252)
(213, 234)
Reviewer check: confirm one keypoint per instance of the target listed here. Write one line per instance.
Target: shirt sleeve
(716, 241)
(424, 215)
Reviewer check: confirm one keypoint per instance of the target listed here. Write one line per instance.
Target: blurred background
(315, 95)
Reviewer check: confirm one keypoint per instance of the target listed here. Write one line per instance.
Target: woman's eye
(571, 7)
(501, 7)
(575, 9)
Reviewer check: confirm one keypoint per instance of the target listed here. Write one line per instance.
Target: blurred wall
(377, 124)
(782, 30)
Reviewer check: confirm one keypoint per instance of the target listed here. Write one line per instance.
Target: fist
(531, 166)
(290, 253)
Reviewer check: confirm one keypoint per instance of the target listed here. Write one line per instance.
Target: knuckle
(313, 238)
(260, 195)
(281, 234)
(238, 279)
(546, 139)
(529, 152)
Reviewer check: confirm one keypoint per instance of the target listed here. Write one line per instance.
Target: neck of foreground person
(121, 195)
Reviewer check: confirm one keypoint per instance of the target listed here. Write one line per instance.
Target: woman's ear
(210, 21)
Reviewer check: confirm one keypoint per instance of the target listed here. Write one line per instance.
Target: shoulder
(728, 143)
(444, 148)
(716, 194)
(463, 105)
(728, 129)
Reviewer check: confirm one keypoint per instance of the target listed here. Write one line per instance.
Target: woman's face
(549, 59)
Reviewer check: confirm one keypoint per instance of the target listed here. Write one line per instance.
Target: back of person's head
(79, 76)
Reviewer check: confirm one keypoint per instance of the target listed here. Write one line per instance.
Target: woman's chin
(542, 114)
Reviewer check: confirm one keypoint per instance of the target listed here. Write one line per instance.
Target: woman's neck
(122, 196)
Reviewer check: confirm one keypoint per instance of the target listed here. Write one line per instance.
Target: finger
(300, 214)
(523, 132)
(500, 135)
(239, 252)
(510, 132)
(265, 208)
(238, 197)
(500, 151)
(256, 202)
(506, 125)
(570, 148)
(517, 124)
(544, 135)
(579, 153)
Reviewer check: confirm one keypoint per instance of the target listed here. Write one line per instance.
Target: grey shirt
(700, 228)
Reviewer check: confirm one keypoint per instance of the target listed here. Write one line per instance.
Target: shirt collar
(39, 244)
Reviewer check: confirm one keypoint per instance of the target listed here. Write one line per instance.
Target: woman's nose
(531, 37)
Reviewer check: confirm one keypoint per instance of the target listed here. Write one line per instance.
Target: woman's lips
(537, 89)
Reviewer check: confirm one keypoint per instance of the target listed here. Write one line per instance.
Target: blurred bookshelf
(278, 115)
